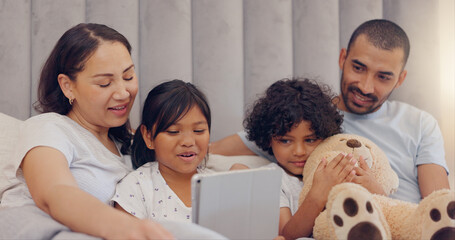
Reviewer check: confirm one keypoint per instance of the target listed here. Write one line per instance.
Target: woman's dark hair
(68, 57)
(288, 102)
(166, 104)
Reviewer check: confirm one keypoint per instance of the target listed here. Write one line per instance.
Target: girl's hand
(327, 175)
(365, 178)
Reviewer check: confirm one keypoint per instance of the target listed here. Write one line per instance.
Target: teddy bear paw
(354, 214)
(439, 215)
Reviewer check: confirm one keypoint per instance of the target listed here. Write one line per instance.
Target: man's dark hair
(383, 34)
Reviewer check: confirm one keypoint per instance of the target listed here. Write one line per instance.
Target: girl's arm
(327, 175)
(56, 192)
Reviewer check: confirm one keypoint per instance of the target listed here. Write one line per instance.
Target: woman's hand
(365, 178)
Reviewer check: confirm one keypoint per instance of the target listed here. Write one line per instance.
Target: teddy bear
(352, 212)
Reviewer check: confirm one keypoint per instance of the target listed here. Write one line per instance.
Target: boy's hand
(365, 177)
(327, 175)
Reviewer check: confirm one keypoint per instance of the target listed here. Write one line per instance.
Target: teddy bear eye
(343, 139)
(368, 146)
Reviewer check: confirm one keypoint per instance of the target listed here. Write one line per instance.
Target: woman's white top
(95, 169)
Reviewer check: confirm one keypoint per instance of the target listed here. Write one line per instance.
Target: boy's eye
(284, 141)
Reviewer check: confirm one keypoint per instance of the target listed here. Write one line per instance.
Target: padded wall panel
(355, 12)
(50, 19)
(123, 17)
(218, 61)
(316, 38)
(268, 44)
(15, 58)
(418, 18)
(165, 42)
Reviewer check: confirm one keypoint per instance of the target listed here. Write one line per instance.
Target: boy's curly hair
(288, 102)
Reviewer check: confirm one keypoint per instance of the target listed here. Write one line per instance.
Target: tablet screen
(241, 204)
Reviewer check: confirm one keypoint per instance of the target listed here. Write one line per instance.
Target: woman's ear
(147, 136)
(66, 84)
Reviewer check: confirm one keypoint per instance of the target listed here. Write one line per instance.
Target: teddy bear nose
(353, 143)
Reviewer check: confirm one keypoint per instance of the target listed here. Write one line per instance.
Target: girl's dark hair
(68, 57)
(166, 104)
(288, 102)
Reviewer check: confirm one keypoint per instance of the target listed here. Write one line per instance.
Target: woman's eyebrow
(128, 68)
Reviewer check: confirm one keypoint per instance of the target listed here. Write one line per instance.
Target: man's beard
(374, 99)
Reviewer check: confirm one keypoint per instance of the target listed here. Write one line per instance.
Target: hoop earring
(70, 101)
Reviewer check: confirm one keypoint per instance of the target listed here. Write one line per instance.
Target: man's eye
(384, 77)
(357, 68)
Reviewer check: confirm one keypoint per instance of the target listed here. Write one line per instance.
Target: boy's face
(292, 150)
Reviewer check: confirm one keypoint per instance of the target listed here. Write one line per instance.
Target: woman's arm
(56, 192)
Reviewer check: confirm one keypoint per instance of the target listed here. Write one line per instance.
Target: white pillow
(221, 163)
(9, 137)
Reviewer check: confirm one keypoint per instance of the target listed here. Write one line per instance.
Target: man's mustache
(370, 95)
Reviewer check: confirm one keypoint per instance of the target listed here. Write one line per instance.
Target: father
(372, 67)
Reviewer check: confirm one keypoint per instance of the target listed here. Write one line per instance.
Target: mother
(71, 156)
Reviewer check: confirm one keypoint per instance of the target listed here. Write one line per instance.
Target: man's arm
(230, 146)
(431, 177)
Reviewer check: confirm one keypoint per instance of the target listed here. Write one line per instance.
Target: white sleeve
(47, 134)
(431, 146)
(130, 197)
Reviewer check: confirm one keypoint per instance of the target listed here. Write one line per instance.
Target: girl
(168, 149)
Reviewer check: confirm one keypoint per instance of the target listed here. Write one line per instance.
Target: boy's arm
(230, 146)
(327, 175)
(301, 224)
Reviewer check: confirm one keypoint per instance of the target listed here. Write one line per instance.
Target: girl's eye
(172, 132)
(284, 141)
(199, 131)
(127, 79)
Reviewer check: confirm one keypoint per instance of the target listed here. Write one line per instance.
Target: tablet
(242, 204)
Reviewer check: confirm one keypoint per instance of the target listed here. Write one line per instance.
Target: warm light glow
(447, 74)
